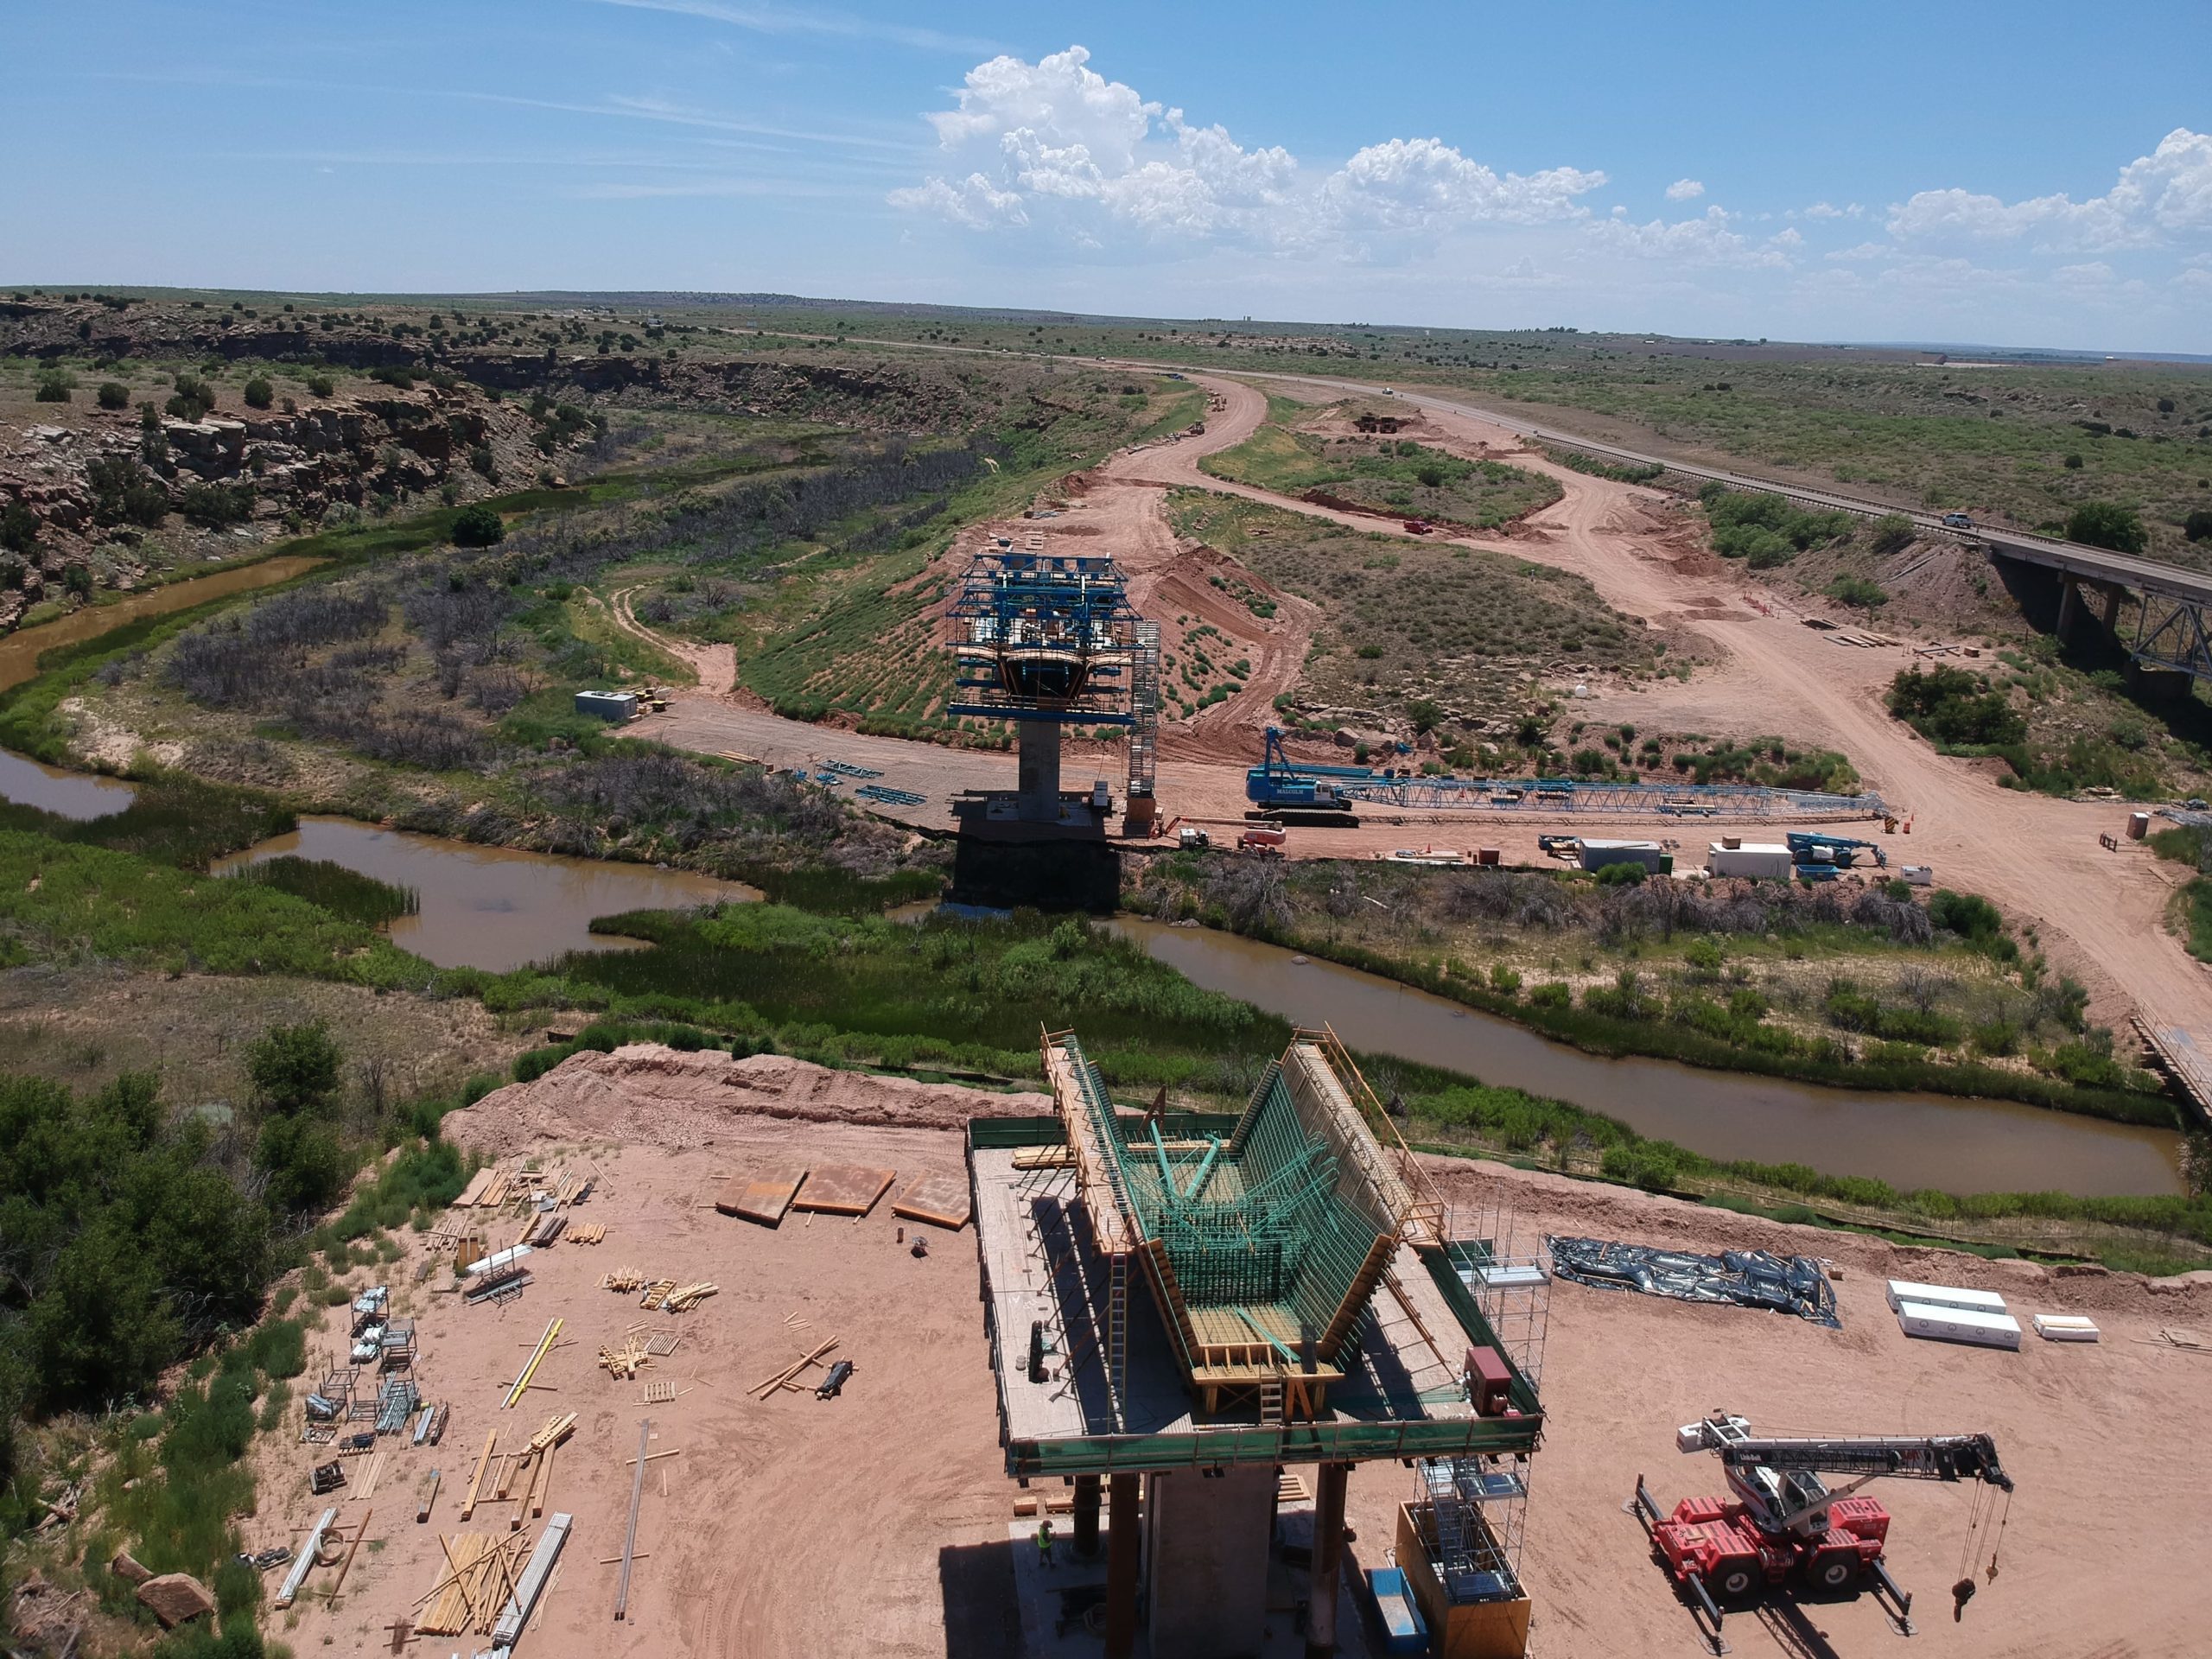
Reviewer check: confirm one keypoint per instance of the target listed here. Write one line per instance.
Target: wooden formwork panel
(844, 1189)
(941, 1200)
(764, 1198)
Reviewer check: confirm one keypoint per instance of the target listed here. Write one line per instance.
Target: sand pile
(646, 1095)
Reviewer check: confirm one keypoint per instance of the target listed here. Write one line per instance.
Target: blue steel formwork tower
(1046, 641)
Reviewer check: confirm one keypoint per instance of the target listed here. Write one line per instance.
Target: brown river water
(1909, 1140)
(489, 907)
(20, 651)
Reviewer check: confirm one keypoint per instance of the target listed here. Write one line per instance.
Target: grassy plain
(1394, 476)
(1448, 637)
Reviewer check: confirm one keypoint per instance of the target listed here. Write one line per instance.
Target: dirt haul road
(880, 1524)
(2033, 855)
(2101, 914)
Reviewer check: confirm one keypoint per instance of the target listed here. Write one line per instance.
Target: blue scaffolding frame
(1045, 637)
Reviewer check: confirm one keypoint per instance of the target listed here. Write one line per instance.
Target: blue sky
(2025, 173)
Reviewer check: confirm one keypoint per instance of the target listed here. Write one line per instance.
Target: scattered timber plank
(1059, 1157)
(476, 1481)
(355, 1543)
(630, 1533)
(429, 1498)
(764, 1198)
(844, 1189)
(941, 1200)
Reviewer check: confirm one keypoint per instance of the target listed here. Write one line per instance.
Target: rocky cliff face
(107, 498)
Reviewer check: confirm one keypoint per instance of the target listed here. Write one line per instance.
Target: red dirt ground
(877, 1524)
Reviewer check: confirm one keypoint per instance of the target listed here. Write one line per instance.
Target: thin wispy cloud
(778, 20)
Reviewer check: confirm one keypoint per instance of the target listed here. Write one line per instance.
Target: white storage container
(2065, 1327)
(1958, 1324)
(1762, 861)
(1981, 1302)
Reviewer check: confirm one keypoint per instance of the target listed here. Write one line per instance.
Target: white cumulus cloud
(1055, 144)
(2156, 198)
(1705, 240)
(1685, 190)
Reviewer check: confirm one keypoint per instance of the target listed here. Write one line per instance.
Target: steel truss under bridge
(2170, 633)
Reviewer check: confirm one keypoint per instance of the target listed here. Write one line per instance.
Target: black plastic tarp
(1791, 1284)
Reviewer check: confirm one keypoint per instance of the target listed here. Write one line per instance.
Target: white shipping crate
(2065, 1327)
(1958, 1324)
(1761, 860)
(1982, 1301)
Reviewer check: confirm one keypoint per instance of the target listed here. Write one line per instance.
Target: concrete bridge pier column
(1124, 1542)
(2069, 606)
(2110, 593)
(1086, 1515)
(1037, 770)
(1331, 1478)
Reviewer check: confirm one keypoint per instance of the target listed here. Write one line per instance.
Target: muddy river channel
(1910, 1140)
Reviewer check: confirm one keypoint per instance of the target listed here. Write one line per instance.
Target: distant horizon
(768, 297)
(1790, 174)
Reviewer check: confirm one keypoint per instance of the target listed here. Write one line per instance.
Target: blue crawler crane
(1819, 858)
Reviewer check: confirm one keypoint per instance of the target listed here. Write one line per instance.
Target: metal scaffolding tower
(1472, 1514)
(1144, 706)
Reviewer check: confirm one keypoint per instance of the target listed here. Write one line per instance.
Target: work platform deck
(1400, 1395)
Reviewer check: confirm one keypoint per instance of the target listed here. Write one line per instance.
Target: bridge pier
(2071, 605)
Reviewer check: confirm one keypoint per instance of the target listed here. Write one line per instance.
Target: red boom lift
(1780, 1518)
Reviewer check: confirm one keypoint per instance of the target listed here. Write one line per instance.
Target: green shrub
(321, 385)
(1505, 981)
(1952, 706)
(2106, 523)
(259, 393)
(1858, 592)
(113, 394)
(478, 526)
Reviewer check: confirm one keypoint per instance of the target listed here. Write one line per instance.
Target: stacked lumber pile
(641, 1347)
(525, 1475)
(475, 1586)
(589, 1232)
(682, 1296)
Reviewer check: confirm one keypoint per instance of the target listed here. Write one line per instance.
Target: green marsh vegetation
(1832, 983)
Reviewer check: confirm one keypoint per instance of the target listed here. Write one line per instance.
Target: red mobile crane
(1781, 1517)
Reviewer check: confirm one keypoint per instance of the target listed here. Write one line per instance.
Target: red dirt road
(2100, 914)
